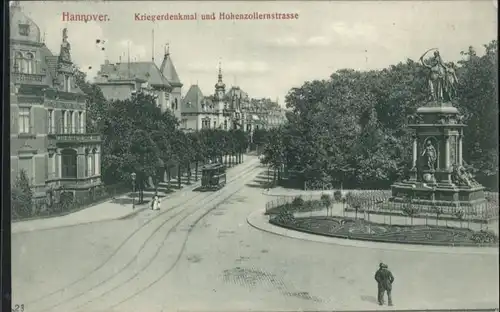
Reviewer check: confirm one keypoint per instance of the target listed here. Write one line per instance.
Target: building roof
(236, 91)
(51, 65)
(147, 71)
(196, 102)
(193, 100)
(168, 70)
(22, 27)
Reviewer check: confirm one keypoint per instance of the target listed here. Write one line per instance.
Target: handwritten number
(18, 308)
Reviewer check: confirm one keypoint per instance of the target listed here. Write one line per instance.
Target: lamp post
(133, 175)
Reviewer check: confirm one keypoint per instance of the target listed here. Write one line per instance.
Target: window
(18, 62)
(215, 124)
(24, 120)
(30, 63)
(225, 124)
(70, 122)
(68, 160)
(94, 162)
(82, 122)
(24, 29)
(87, 162)
(77, 122)
(50, 121)
(67, 83)
(176, 105)
(63, 121)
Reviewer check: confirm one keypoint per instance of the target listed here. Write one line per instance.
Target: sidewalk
(260, 221)
(106, 211)
(113, 209)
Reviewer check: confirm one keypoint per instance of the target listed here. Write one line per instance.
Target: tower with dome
(49, 141)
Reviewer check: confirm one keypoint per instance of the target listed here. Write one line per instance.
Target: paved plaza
(199, 253)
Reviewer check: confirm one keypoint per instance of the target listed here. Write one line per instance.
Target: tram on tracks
(213, 177)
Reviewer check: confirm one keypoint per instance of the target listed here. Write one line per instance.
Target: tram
(213, 177)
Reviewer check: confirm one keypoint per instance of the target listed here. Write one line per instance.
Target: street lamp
(133, 175)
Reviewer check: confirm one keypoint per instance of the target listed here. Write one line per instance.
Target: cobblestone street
(214, 260)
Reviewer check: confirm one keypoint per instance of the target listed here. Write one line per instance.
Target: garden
(318, 215)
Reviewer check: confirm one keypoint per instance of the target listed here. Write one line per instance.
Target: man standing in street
(384, 280)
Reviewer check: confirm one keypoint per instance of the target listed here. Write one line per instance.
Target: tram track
(157, 278)
(156, 224)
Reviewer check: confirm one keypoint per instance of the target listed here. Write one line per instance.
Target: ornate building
(263, 113)
(48, 134)
(119, 81)
(221, 110)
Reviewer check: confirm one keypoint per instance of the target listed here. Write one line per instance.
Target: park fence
(61, 203)
(365, 203)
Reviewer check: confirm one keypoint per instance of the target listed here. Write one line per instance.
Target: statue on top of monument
(442, 78)
(430, 154)
(65, 48)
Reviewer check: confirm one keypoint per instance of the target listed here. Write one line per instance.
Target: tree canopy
(352, 128)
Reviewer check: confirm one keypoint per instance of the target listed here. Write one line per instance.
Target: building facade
(263, 113)
(48, 111)
(220, 111)
(120, 80)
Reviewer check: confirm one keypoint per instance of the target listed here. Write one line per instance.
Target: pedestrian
(153, 202)
(157, 203)
(384, 280)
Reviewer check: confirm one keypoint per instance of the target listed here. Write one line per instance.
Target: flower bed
(365, 230)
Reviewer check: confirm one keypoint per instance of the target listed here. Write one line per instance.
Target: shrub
(22, 197)
(66, 201)
(326, 200)
(459, 214)
(285, 217)
(337, 195)
(484, 237)
(297, 201)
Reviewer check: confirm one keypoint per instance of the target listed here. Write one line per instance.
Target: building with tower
(221, 110)
(49, 141)
(168, 71)
(120, 80)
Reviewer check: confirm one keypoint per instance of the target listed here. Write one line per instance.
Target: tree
(352, 128)
(327, 201)
(143, 160)
(95, 101)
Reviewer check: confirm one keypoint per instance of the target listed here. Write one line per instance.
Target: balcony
(28, 78)
(73, 138)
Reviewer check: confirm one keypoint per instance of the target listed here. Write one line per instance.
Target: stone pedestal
(438, 183)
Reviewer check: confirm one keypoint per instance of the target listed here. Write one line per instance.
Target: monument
(438, 177)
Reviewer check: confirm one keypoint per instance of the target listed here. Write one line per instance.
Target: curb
(258, 220)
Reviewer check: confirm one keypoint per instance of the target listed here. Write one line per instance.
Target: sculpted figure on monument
(463, 177)
(442, 78)
(65, 47)
(430, 155)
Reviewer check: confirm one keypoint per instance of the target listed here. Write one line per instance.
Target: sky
(267, 58)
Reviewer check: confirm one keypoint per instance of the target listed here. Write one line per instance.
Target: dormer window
(24, 29)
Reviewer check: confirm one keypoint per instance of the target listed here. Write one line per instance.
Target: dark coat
(384, 278)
